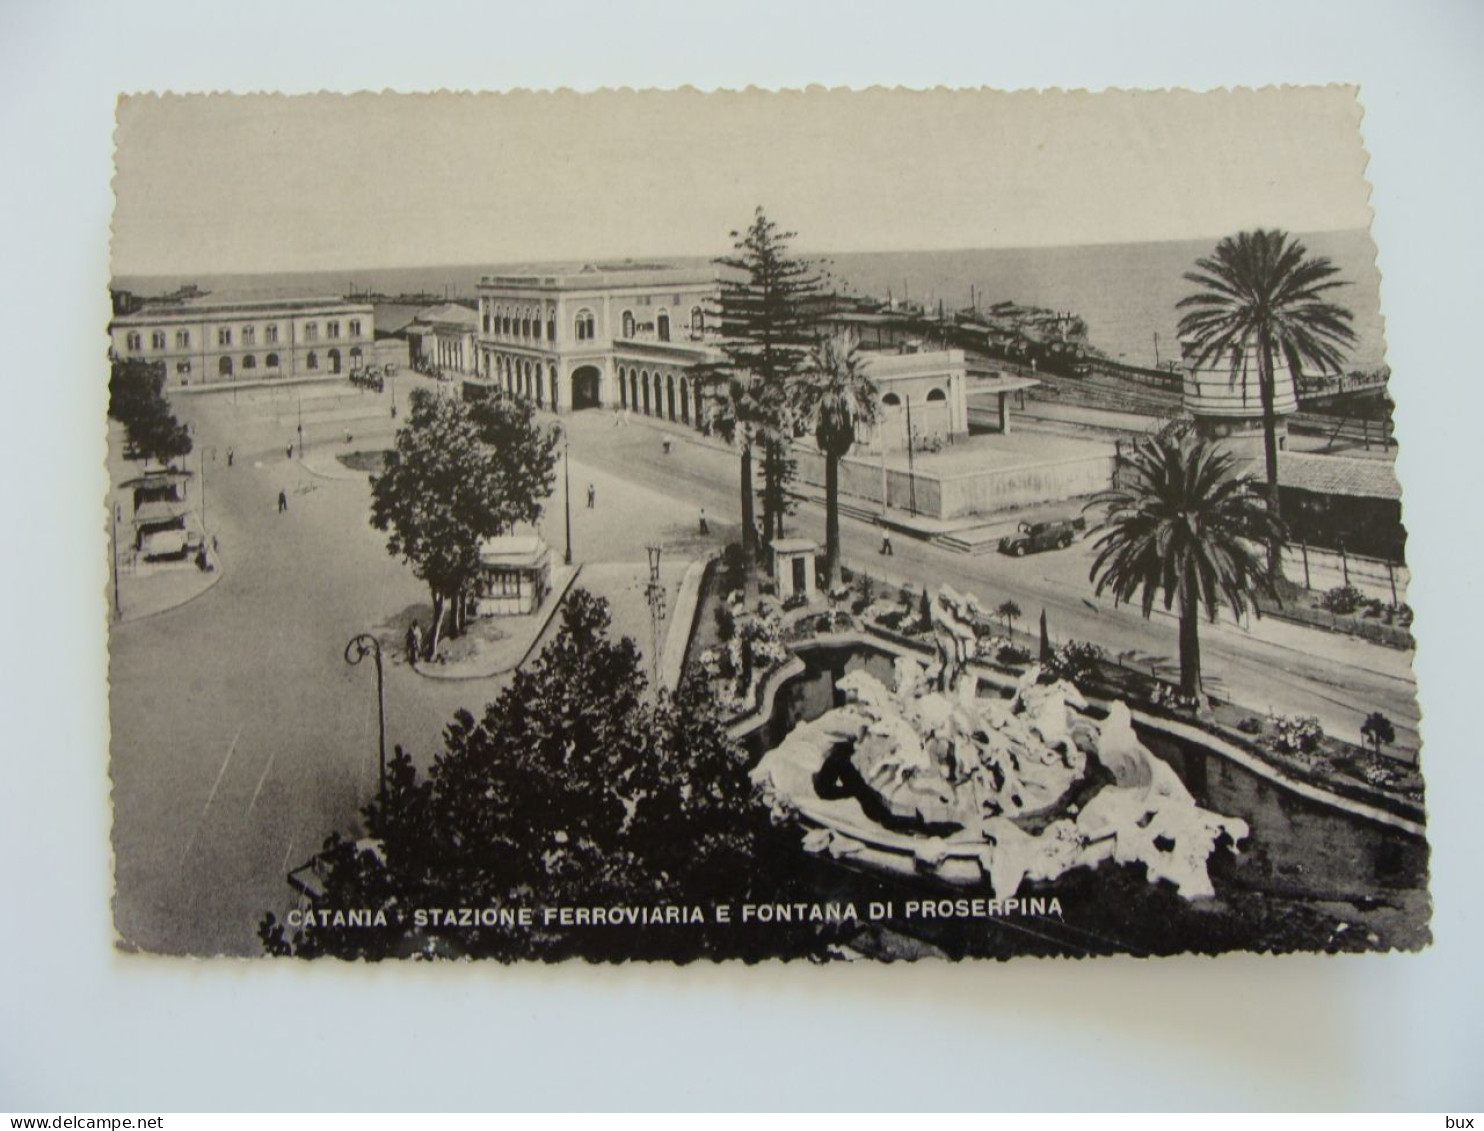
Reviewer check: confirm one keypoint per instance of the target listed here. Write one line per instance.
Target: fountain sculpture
(928, 776)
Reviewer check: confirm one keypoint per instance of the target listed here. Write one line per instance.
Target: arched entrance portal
(224, 368)
(334, 361)
(586, 383)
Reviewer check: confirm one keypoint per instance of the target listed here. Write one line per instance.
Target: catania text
(675, 914)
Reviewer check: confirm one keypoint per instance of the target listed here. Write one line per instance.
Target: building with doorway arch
(614, 336)
(206, 341)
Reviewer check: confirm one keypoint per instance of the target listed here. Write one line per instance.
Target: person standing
(414, 642)
(886, 549)
(231, 455)
(283, 501)
(592, 496)
(705, 526)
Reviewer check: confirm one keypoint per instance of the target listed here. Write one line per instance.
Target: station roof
(1338, 475)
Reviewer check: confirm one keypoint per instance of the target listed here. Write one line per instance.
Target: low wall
(964, 493)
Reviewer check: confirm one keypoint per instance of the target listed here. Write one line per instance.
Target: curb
(458, 677)
(216, 577)
(687, 602)
(349, 476)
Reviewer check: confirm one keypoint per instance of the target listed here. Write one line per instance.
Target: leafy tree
(572, 790)
(524, 453)
(161, 437)
(766, 338)
(1009, 612)
(135, 388)
(1378, 731)
(136, 399)
(445, 490)
(1261, 291)
(1182, 526)
(835, 395)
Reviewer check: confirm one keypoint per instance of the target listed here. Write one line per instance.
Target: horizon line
(598, 260)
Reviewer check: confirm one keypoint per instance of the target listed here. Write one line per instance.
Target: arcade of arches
(667, 393)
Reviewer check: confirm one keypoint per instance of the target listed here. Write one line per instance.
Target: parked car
(1033, 537)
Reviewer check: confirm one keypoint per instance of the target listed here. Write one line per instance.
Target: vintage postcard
(812, 525)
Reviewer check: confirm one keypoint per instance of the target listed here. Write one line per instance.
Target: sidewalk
(493, 646)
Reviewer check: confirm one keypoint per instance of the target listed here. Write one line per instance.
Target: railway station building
(614, 336)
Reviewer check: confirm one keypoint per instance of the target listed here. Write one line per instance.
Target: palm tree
(1262, 292)
(1009, 612)
(1183, 526)
(836, 396)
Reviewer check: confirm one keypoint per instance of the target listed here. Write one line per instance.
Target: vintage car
(1033, 537)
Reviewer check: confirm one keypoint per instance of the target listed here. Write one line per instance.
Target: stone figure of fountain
(928, 776)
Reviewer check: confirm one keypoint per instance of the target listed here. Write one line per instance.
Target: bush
(1075, 661)
(726, 623)
(1342, 600)
(796, 601)
(1170, 697)
(1300, 735)
(865, 593)
(1250, 725)
(1012, 654)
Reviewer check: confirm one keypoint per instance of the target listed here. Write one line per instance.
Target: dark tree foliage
(767, 335)
(1261, 291)
(459, 474)
(1182, 526)
(835, 397)
(524, 453)
(572, 790)
(136, 399)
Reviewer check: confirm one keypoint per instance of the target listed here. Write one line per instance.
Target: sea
(1126, 292)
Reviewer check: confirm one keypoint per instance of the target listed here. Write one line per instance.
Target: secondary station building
(208, 341)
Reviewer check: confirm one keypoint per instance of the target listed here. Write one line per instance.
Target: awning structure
(512, 551)
(1337, 475)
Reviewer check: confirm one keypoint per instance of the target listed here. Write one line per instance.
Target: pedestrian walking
(288, 452)
(231, 455)
(705, 526)
(592, 496)
(665, 445)
(348, 436)
(283, 501)
(414, 642)
(886, 546)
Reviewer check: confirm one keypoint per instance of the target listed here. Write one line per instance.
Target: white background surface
(87, 1029)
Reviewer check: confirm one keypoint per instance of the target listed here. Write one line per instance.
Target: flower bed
(750, 647)
(1344, 609)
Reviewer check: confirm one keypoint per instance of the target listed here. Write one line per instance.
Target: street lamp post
(355, 652)
(567, 490)
(118, 609)
(654, 593)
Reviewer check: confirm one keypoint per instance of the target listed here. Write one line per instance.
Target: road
(241, 737)
(1269, 666)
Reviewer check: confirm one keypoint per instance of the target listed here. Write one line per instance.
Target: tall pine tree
(766, 334)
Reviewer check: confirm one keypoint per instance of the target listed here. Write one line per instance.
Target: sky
(226, 184)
